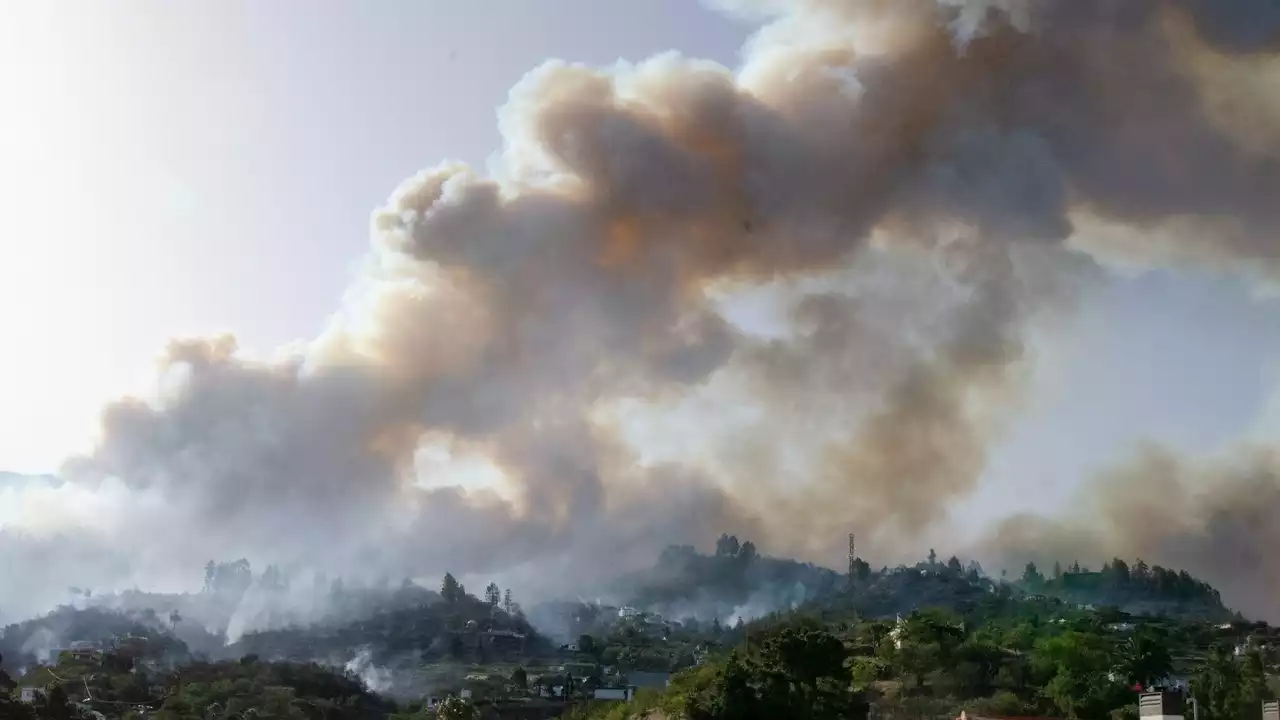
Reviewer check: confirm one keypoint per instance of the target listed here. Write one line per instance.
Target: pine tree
(450, 589)
(1031, 575)
(1141, 574)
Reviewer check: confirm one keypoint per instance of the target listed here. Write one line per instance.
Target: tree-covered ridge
(735, 577)
(937, 637)
(41, 639)
(235, 599)
(118, 684)
(279, 690)
(924, 640)
(1139, 588)
(451, 626)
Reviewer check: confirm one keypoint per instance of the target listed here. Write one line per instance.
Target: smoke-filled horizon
(916, 186)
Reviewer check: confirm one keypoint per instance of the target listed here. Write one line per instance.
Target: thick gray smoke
(1214, 516)
(917, 184)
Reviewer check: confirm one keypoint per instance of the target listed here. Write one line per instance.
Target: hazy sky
(171, 169)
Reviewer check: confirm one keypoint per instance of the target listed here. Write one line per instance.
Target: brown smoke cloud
(911, 173)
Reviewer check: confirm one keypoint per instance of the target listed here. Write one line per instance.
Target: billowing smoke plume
(912, 186)
(1213, 516)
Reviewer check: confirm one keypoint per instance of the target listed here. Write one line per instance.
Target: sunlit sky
(181, 168)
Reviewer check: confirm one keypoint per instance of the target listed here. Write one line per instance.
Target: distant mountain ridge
(733, 581)
(737, 581)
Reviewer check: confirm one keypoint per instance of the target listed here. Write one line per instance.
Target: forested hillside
(935, 664)
(1139, 589)
(459, 628)
(735, 579)
(995, 653)
(918, 641)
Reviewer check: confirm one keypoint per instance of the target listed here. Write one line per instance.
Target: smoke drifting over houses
(912, 185)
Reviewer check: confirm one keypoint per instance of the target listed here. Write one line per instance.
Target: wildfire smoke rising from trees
(917, 183)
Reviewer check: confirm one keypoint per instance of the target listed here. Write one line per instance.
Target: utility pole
(853, 577)
(853, 562)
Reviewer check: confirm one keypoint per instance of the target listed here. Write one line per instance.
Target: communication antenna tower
(853, 568)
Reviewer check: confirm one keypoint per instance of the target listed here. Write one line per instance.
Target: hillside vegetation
(924, 641)
(936, 638)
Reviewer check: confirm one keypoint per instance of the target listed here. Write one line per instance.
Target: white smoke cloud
(912, 175)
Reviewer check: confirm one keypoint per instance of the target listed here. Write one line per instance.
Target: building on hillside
(580, 671)
(28, 695)
(553, 691)
(621, 693)
(84, 650)
(649, 679)
(503, 640)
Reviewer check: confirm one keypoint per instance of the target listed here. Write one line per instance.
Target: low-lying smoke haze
(914, 186)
